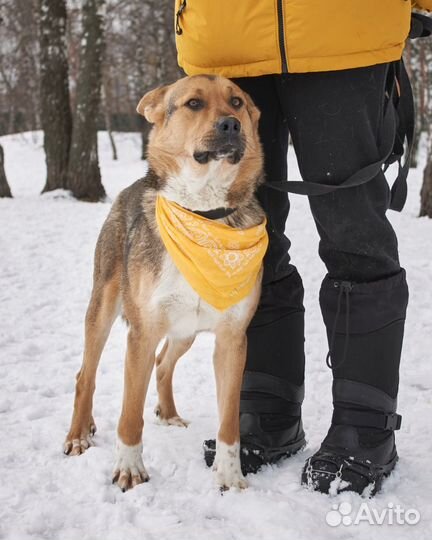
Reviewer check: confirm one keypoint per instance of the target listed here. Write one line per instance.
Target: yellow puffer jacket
(245, 38)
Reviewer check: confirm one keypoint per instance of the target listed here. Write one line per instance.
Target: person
(323, 73)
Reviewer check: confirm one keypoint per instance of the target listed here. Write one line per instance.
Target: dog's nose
(228, 125)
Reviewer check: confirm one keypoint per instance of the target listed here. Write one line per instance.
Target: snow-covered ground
(46, 250)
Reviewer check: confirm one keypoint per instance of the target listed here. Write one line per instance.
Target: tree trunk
(426, 190)
(107, 115)
(84, 178)
(145, 132)
(419, 87)
(11, 120)
(56, 116)
(4, 186)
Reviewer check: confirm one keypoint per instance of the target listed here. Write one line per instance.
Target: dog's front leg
(129, 469)
(229, 362)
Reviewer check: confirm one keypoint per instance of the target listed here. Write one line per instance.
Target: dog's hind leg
(102, 310)
(166, 361)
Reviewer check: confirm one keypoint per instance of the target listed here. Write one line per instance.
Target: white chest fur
(201, 192)
(187, 313)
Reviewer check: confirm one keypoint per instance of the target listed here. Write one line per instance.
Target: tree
(107, 100)
(4, 186)
(19, 66)
(164, 68)
(418, 56)
(138, 60)
(84, 178)
(424, 108)
(426, 191)
(56, 116)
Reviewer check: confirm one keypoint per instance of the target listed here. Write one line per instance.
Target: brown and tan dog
(203, 153)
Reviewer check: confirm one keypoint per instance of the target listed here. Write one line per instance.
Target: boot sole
(385, 471)
(321, 480)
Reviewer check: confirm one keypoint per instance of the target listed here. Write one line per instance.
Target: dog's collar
(216, 213)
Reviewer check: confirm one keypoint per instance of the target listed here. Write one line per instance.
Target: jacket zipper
(178, 28)
(282, 36)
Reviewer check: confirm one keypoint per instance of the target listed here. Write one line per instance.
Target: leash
(396, 140)
(396, 126)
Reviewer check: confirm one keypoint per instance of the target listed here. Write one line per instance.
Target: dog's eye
(195, 104)
(236, 102)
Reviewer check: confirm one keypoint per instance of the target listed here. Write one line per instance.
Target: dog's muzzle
(232, 154)
(225, 142)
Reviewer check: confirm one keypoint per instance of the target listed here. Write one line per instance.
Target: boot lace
(345, 288)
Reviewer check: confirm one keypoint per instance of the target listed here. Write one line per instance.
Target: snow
(46, 247)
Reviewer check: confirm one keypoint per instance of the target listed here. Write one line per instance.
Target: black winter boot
(365, 325)
(359, 450)
(270, 422)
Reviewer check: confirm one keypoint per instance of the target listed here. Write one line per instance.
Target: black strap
(270, 406)
(256, 381)
(359, 177)
(421, 26)
(358, 418)
(349, 394)
(399, 114)
(405, 130)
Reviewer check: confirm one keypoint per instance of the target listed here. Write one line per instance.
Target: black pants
(334, 119)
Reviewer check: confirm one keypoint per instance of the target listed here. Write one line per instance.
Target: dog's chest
(187, 313)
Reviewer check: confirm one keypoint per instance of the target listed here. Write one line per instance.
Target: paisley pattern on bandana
(220, 262)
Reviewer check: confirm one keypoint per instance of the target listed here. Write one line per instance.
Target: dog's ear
(252, 109)
(151, 105)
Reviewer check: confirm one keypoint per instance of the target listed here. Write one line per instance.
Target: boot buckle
(393, 421)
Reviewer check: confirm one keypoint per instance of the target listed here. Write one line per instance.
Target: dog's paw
(129, 470)
(226, 467)
(173, 421)
(77, 443)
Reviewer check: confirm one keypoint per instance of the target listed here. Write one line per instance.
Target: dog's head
(201, 120)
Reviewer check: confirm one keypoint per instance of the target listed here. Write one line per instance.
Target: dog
(204, 155)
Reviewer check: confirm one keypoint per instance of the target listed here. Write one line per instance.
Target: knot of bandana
(221, 263)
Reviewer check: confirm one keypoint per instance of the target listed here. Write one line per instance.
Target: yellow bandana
(221, 263)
